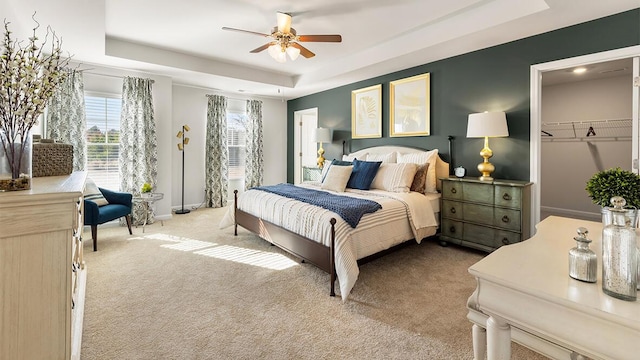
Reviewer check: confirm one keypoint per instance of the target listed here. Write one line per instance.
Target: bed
(325, 239)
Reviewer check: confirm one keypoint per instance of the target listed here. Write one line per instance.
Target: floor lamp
(185, 141)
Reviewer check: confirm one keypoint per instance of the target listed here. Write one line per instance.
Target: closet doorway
(303, 145)
(581, 127)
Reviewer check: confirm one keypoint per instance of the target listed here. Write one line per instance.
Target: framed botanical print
(366, 112)
(409, 106)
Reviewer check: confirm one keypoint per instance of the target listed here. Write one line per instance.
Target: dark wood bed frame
(308, 250)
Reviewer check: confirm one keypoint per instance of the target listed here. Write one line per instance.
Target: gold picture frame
(409, 113)
(366, 112)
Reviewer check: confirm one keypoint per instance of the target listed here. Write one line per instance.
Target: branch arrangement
(28, 78)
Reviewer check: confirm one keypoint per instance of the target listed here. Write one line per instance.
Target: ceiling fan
(286, 41)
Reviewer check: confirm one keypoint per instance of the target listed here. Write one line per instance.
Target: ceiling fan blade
(284, 22)
(303, 50)
(320, 38)
(263, 47)
(245, 31)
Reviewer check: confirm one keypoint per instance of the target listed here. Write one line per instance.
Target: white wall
(190, 107)
(567, 165)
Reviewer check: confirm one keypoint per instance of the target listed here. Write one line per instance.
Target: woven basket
(52, 159)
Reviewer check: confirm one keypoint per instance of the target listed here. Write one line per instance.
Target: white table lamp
(486, 125)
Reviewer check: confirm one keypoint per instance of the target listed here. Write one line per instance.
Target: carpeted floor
(188, 290)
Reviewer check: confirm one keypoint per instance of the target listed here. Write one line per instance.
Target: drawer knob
(453, 210)
(506, 196)
(452, 229)
(505, 241)
(505, 219)
(453, 190)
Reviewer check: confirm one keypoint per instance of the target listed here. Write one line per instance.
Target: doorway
(304, 147)
(537, 73)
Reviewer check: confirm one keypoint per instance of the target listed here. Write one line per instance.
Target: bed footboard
(311, 251)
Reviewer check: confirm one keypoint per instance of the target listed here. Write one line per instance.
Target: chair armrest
(91, 213)
(116, 197)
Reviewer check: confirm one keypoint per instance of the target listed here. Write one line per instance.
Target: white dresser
(42, 274)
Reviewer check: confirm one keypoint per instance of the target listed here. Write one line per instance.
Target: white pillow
(350, 157)
(423, 158)
(385, 158)
(91, 192)
(394, 177)
(337, 178)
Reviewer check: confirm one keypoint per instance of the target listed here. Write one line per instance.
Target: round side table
(147, 199)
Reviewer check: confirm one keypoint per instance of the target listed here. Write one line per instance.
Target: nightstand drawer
(507, 219)
(480, 214)
(452, 228)
(477, 192)
(508, 196)
(452, 190)
(452, 209)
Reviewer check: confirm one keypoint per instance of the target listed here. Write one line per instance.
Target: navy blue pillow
(337, 163)
(363, 174)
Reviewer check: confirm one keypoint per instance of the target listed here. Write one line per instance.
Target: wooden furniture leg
(94, 236)
(479, 342)
(498, 339)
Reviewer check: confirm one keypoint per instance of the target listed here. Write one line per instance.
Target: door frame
(536, 112)
(297, 140)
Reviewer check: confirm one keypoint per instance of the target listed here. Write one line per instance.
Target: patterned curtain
(138, 143)
(66, 117)
(254, 159)
(216, 153)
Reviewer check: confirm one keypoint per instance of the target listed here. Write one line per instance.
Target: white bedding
(351, 243)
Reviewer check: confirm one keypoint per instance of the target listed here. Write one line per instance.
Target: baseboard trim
(571, 213)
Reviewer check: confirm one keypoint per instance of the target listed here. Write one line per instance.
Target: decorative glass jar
(619, 255)
(582, 261)
(15, 161)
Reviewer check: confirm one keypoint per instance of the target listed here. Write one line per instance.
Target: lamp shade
(487, 124)
(321, 135)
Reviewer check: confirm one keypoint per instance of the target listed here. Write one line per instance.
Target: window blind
(103, 140)
(236, 137)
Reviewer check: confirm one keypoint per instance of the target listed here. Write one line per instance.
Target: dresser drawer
(476, 192)
(452, 190)
(493, 238)
(481, 214)
(508, 196)
(508, 237)
(507, 219)
(451, 209)
(452, 228)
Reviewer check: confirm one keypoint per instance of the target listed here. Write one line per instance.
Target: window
(236, 134)
(103, 140)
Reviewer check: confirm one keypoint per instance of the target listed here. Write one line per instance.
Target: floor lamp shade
(321, 135)
(486, 125)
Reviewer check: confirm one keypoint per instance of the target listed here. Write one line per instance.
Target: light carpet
(187, 290)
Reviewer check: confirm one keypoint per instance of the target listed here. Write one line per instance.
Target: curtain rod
(112, 76)
(209, 89)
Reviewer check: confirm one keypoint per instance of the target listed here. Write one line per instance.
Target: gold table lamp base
(485, 167)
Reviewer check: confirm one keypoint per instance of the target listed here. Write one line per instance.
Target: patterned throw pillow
(363, 174)
(420, 179)
(337, 178)
(91, 192)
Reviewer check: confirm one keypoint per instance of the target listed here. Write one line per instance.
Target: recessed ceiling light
(579, 70)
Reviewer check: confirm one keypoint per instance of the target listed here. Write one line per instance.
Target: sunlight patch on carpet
(249, 257)
(189, 245)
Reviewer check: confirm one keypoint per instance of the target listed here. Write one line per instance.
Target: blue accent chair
(119, 206)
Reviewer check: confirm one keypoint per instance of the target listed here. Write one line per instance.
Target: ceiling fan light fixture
(293, 52)
(274, 50)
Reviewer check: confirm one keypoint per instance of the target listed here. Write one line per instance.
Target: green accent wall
(491, 79)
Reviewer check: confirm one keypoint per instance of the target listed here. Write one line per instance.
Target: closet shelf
(591, 130)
